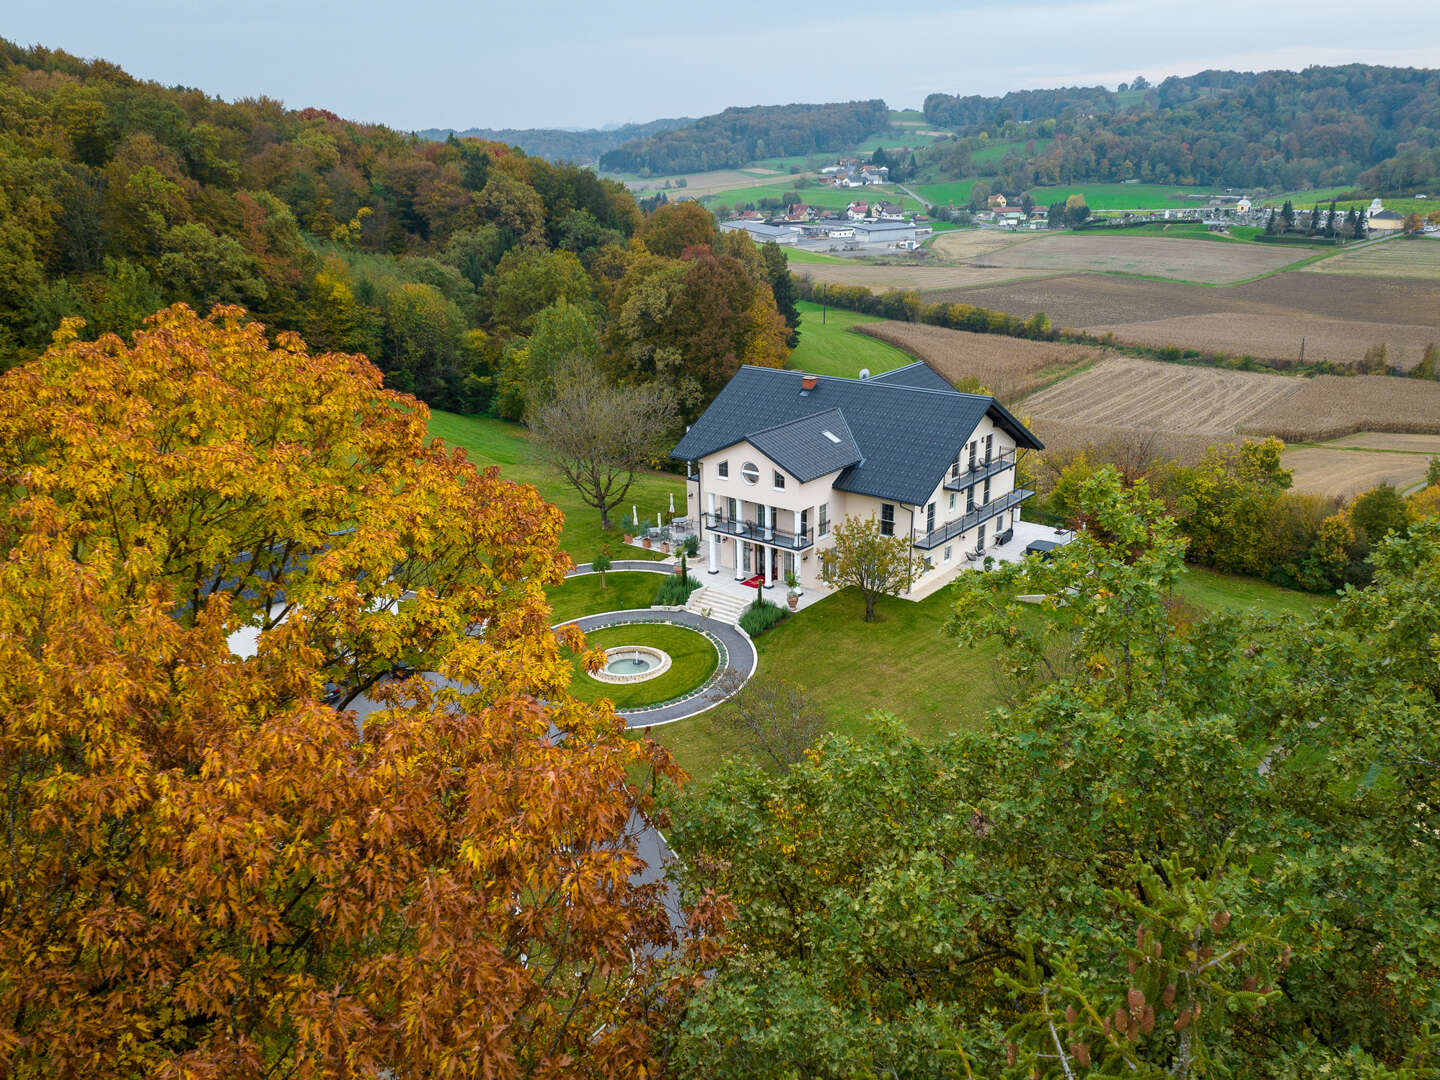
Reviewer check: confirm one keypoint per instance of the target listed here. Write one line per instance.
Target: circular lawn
(693, 660)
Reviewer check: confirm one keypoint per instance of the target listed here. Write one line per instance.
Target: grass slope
(498, 442)
(693, 660)
(583, 595)
(826, 197)
(1122, 196)
(829, 347)
(903, 663)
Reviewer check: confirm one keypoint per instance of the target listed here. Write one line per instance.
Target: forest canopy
(437, 260)
(736, 136)
(1371, 126)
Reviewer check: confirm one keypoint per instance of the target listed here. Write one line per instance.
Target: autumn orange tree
(211, 867)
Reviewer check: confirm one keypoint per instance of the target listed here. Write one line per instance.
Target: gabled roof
(919, 375)
(904, 434)
(810, 447)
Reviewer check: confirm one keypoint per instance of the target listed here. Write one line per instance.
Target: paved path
(626, 564)
(739, 657)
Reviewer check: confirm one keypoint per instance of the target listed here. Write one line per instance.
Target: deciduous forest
(1371, 126)
(458, 267)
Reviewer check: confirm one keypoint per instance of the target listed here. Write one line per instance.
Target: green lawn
(827, 197)
(795, 255)
(1214, 591)
(584, 596)
(995, 149)
(830, 347)
(904, 665)
(693, 660)
(1123, 196)
(956, 192)
(498, 442)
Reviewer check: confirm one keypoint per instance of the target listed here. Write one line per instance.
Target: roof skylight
(831, 436)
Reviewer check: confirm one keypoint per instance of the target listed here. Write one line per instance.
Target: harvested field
(1322, 308)
(1123, 392)
(1409, 257)
(1385, 440)
(1337, 341)
(1102, 300)
(881, 276)
(1061, 437)
(1323, 470)
(1007, 367)
(1333, 406)
(963, 245)
(1156, 256)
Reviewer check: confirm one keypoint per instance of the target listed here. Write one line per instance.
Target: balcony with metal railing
(951, 529)
(759, 532)
(964, 476)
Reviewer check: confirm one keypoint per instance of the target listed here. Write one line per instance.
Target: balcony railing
(969, 475)
(759, 532)
(952, 529)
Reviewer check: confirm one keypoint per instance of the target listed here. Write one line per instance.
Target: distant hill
(734, 137)
(1377, 127)
(556, 144)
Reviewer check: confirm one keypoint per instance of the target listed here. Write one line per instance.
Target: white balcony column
(714, 551)
(769, 523)
(739, 562)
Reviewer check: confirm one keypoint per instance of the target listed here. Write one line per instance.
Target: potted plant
(665, 546)
(629, 538)
(692, 545)
(645, 542)
(793, 584)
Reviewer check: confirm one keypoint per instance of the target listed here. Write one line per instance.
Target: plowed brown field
(1332, 406)
(1007, 367)
(1182, 259)
(1145, 395)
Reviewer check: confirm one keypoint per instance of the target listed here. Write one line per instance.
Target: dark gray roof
(906, 436)
(919, 375)
(810, 447)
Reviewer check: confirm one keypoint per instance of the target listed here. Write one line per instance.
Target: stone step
(721, 605)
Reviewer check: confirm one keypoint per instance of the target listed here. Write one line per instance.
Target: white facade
(756, 519)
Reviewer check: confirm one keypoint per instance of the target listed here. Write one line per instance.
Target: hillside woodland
(729, 139)
(558, 144)
(1376, 127)
(439, 261)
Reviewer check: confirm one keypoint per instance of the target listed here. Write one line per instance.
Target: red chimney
(808, 382)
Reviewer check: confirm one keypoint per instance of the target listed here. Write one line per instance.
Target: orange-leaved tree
(215, 547)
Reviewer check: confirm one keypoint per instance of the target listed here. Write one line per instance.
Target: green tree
(1429, 366)
(205, 269)
(1379, 512)
(600, 564)
(863, 557)
(528, 281)
(670, 230)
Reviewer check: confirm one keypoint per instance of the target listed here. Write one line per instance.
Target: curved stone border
(659, 656)
(737, 655)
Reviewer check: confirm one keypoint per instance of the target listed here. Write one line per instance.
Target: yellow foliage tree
(294, 857)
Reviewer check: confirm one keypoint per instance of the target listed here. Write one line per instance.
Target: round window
(751, 472)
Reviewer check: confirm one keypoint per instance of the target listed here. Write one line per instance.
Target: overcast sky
(565, 63)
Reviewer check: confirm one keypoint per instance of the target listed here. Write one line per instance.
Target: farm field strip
(1412, 257)
(1334, 406)
(883, 276)
(1152, 256)
(1392, 442)
(1343, 472)
(1146, 395)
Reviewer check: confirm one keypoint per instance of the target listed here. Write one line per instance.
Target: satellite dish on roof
(864, 373)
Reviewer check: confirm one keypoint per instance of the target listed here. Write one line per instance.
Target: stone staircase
(721, 605)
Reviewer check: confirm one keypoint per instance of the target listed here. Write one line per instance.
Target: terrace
(761, 532)
(964, 476)
(966, 522)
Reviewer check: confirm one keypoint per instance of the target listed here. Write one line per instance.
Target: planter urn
(646, 541)
(793, 600)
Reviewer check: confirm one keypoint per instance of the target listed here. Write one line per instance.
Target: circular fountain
(632, 664)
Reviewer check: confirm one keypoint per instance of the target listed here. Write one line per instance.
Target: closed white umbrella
(635, 515)
(672, 502)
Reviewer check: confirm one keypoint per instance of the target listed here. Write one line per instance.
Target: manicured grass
(903, 664)
(830, 347)
(693, 660)
(1214, 591)
(584, 596)
(498, 442)
(1122, 196)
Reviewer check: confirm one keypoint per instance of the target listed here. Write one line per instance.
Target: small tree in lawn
(600, 564)
(599, 435)
(876, 565)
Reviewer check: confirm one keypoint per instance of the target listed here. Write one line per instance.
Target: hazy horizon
(448, 66)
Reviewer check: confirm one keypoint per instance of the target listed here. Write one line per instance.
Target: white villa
(780, 457)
